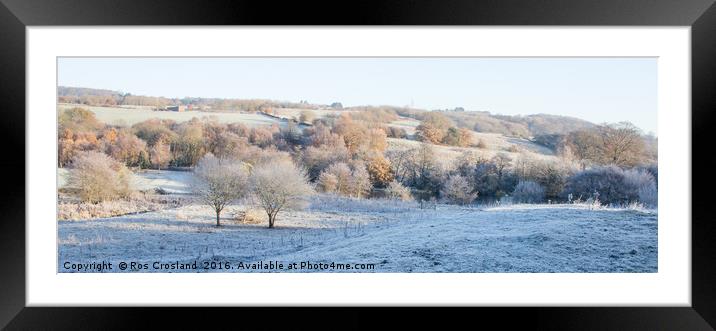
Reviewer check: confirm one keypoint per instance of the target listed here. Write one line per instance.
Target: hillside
(478, 121)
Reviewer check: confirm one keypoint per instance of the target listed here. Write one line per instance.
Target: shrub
(653, 169)
(493, 178)
(78, 119)
(513, 149)
(429, 133)
(97, 177)
(127, 148)
(359, 183)
(249, 216)
(395, 132)
(262, 137)
(376, 141)
(355, 134)
(160, 154)
(457, 190)
(528, 192)
(154, 130)
(255, 155)
(552, 176)
(320, 134)
(328, 182)
(458, 137)
(380, 171)
(317, 159)
(70, 143)
(421, 169)
(433, 128)
(307, 116)
(644, 184)
(612, 185)
(342, 179)
(396, 191)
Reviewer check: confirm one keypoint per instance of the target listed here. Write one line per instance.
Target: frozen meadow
(393, 236)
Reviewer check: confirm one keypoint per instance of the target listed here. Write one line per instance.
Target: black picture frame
(16, 15)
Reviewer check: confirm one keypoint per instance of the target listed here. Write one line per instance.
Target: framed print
(467, 155)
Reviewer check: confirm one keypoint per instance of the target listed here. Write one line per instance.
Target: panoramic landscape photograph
(357, 164)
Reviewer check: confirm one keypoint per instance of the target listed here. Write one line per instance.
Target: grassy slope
(494, 142)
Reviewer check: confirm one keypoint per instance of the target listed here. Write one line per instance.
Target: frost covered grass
(495, 146)
(635, 206)
(147, 179)
(76, 210)
(332, 203)
(394, 236)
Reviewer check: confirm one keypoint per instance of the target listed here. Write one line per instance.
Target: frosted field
(395, 237)
(169, 181)
(294, 113)
(131, 116)
(405, 123)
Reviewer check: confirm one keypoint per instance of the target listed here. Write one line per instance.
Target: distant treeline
(98, 97)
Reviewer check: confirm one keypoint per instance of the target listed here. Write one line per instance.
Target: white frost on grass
(579, 206)
(147, 179)
(169, 181)
(395, 236)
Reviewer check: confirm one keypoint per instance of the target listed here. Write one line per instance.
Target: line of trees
(98, 97)
(437, 128)
(347, 155)
(621, 144)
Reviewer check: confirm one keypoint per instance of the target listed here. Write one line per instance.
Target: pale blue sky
(595, 89)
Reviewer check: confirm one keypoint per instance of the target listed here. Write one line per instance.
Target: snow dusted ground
(148, 179)
(394, 236)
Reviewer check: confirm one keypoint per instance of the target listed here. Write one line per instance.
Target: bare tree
(160, 154)
(457, 189)
(396, 191)
(220, 181)
(622, 144)
(278, 186)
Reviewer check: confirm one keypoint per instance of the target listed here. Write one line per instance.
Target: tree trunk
(271, 220)
(218, 212)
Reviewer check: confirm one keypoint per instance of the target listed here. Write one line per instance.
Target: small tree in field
(396, 191)
(160, 155)
(528, 191)
(278, 186)
(220, 181)
(97, 177)
(457, 190)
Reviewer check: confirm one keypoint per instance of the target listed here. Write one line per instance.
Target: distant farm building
(179, 108)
